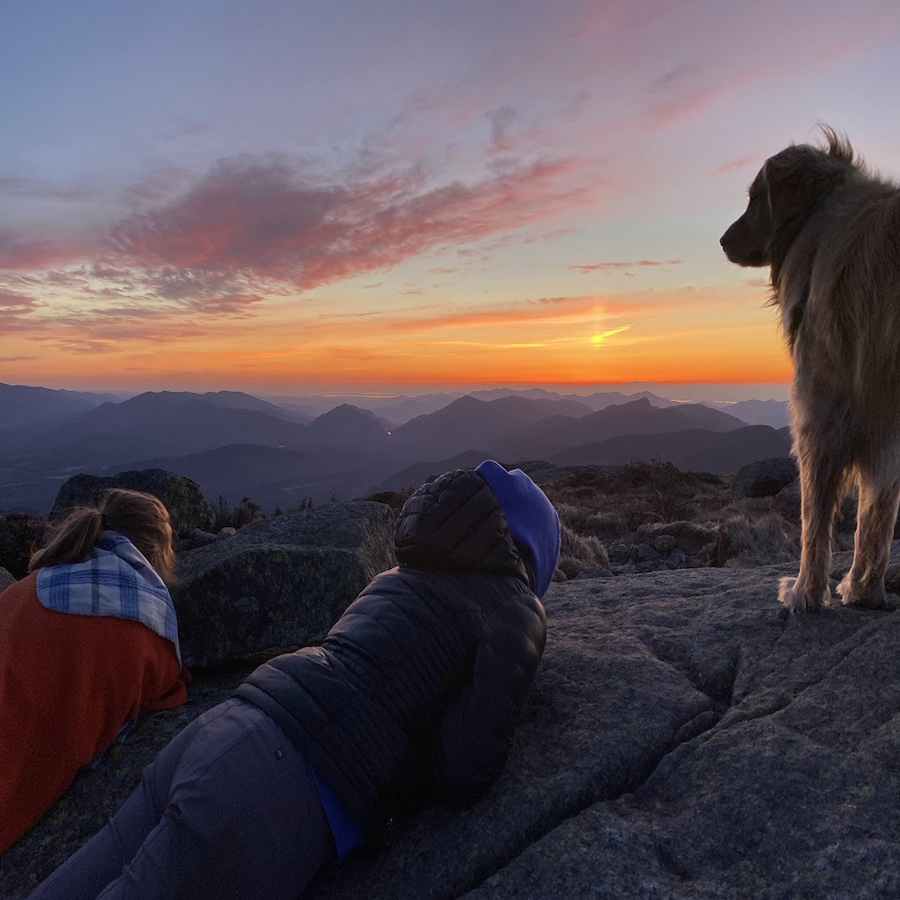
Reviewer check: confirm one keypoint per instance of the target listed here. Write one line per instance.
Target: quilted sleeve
(478, 726)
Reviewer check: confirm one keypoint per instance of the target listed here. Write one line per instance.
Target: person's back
(77, 662)
(413, 693)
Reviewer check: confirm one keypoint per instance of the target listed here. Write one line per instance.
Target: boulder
(280, 583)
(200, 538)
(664, 544)
(181, 496)
(764, 478)
(6, 579)
(677, 559)
(646, 552)
(684, 737)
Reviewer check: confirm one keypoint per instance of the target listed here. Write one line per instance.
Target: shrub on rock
(579, 552)
(19, 536)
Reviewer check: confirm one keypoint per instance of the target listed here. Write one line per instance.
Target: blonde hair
(140, 517)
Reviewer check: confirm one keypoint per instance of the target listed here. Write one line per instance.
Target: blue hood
(533, 522)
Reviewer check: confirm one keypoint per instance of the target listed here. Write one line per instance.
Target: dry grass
(636, 503)
(757, 541)
(578, 552)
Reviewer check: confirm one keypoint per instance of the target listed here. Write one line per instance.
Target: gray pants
(228, 809)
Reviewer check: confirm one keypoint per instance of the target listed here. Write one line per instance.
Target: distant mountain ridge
(553, 436)
(159, 400)
(349, 423)
(468, 422)
(691, 450)
(402, 408)
(596, 401)
(240, 445)
(160, 424)
(25, 406)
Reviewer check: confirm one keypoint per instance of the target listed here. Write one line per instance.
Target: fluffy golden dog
(830, 231)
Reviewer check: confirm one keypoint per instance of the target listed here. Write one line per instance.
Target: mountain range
(236, 445)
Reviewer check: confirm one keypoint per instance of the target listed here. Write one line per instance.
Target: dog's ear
(797, 180)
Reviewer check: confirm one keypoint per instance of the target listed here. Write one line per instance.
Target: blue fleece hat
(533, 522)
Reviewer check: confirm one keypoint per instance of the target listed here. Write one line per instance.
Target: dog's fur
(830, 231)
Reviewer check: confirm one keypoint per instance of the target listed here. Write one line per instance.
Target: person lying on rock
(413, 696)
(88, 641)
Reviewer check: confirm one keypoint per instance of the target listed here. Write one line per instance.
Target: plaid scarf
(115, 579)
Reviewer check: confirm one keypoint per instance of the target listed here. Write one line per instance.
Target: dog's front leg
(821, 486)
(875, 518)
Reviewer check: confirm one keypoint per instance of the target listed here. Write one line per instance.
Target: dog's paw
(796, 598)
(870, 596)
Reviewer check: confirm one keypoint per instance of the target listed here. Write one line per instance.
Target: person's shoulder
(19, 593)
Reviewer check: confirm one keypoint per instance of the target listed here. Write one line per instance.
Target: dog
(829, 230)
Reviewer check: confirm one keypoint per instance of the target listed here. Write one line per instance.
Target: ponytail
(71, 541)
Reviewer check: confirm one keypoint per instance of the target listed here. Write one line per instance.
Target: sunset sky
(283, 196)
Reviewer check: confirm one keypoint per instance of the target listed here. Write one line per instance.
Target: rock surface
(684, 738)
(281, 583)
(181, 496)
(6, 579)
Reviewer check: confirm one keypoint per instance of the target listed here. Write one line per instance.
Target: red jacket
(68, 683)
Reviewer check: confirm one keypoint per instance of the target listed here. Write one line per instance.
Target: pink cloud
(501, 120)
(252, 229)
(15, 311)
(685, 90)
(752, 160)
(29, 255)
(261, 222)
(22, 253)
(16, 303)
(685, 103)
(624, 266)
(100, 329)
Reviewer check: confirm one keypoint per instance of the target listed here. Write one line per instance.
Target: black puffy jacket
(416, 690)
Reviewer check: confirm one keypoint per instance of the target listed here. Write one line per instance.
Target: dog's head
(785, 193)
